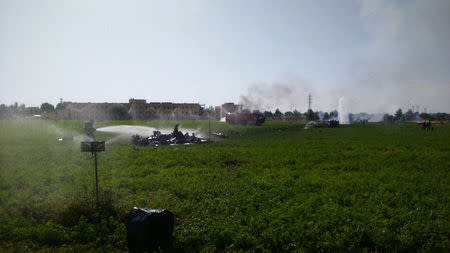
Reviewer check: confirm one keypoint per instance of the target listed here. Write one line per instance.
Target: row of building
(140, 109)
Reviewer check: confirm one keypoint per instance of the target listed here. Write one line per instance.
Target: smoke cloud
(402, 63)
(406, 62)
(286, 94)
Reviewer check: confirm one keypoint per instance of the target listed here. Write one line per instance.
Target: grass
(375, 187)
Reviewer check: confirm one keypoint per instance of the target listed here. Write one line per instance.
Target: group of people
(426, 126)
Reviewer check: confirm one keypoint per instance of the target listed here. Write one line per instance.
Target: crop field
(274, 188)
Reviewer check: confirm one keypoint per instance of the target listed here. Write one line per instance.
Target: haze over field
(379, 55)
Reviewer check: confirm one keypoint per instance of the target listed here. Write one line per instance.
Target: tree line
(409, 115)
(119, 112)
(278, 115)
(296, 115)
(49, 111)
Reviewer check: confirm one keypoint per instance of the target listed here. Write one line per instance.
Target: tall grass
(375, 187)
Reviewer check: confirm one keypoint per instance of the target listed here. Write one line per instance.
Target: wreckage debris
(220, 135)
(310, 125)
(174, 138)
(313, 124)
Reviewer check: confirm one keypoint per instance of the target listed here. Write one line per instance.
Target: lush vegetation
(372, 187)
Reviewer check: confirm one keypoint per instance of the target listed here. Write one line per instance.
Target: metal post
(209, 125)
(93, 147)
(96, 179)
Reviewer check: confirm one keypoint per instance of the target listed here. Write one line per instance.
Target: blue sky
(379, 55)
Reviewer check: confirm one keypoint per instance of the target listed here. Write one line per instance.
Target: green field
(279, 188)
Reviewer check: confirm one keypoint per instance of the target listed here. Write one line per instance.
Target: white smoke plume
(287, 94)
(407, 59)
(343, 113)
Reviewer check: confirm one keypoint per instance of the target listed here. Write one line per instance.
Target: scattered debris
(149, 229)
(220, 135)
(235, 162)
(310, 125)
(174, 138)
(66, 138)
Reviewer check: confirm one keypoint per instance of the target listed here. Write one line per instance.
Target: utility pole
(209, 125)
(309, 101)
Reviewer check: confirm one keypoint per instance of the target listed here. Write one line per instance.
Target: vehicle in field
(243, 118)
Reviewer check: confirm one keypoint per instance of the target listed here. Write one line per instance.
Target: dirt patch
(235, 163)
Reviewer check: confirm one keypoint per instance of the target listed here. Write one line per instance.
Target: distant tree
(246, 111)
(398, 115)
(297, 115)
(333, 114)
(256, 111)
(425, 116)
(268, 114)
(409, 115)
(316, 116)
(209, 112)
(326, 116)
(289, 115)
(117, 112)
(61, 106)
(441, 116)
(277, 115)
(310, 115)
(46, 107)
(388, 118)
(3, 111)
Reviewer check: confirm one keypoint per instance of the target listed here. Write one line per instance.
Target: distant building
(135, 109)
(85, 111)
(140, 109)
